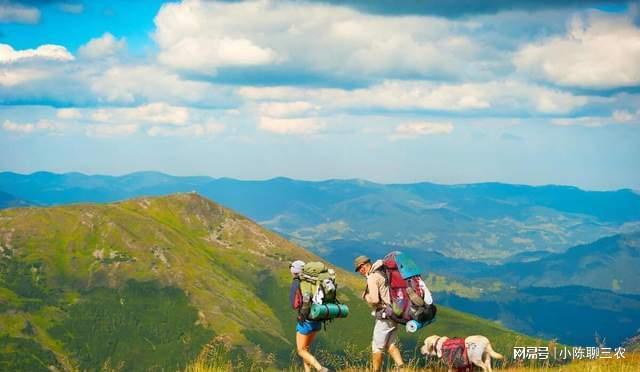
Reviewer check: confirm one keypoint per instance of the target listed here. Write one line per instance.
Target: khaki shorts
(385, 334)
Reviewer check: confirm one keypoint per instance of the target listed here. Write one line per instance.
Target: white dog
(479, 350)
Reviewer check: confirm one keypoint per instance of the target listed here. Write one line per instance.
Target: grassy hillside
(147, 283)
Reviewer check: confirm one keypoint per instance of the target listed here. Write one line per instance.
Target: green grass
(24, 354)
(141, 326)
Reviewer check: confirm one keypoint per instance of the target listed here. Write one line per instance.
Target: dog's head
(429, 347)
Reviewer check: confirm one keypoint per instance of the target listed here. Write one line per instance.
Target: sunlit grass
(215, 359)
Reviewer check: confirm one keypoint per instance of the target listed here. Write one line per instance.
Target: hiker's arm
(371, 294)
(365, 291)
(383, 290)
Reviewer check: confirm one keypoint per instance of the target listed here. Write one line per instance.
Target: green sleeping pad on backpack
(328, 311)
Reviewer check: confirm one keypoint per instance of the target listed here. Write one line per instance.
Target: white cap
(296, 267)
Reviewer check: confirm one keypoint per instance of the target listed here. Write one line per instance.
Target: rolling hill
(147, 283)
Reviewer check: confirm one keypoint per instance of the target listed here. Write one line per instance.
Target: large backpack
(319, 293)
(406, 289)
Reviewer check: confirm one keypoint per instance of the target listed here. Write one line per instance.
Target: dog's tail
(493, 353)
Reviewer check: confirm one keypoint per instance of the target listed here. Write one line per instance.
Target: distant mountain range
(609, 263)
(146, 284)
(489, 221)
(10, 201)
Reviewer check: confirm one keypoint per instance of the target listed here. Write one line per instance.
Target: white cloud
(201, 36)
(287, 109)
(126, 84)
(190, 38)
(160, 113)
(73, 8)
(68, 113)
(27, 128)
(156, 119)
(617, 117)
(156, 113)
(102, 47)
(18, 128)
(10, 77)
(43, 52)
(102, 115)
(623, 116)
(196, 130)
(204, 55)
(601, 52)
(108, 130)
(417, 129)
(503, 97)
(295, 126)
(18, 13)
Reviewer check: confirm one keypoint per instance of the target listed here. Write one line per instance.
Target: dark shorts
(308, 327)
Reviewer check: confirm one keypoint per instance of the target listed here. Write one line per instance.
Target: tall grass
(215, 358)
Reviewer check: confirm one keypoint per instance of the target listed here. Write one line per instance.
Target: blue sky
(527, 92)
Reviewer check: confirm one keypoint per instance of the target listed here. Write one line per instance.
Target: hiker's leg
(392, 341)
(396, 355)
(376, 361)
(302, 343)
(383, 336)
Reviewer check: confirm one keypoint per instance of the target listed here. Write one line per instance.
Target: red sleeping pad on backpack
(454, 352)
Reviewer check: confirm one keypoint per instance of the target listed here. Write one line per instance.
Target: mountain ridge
(486, 221)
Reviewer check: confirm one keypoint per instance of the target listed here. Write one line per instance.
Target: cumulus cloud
(32, 66)
(10, 77)
(18, 13)
(501, 97)
(205, 55)
(287, 109)
(102, 47)
(417, 129)
(293, 126)
(68, 114)
(191, 39)
(154, 119)
(108, 130)
(617, 117)
(126, 84)
(43, 52)
(196, 130)
(73, 8)
(157, 113)
(28, 128)
(598, 52)
(204, 36)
